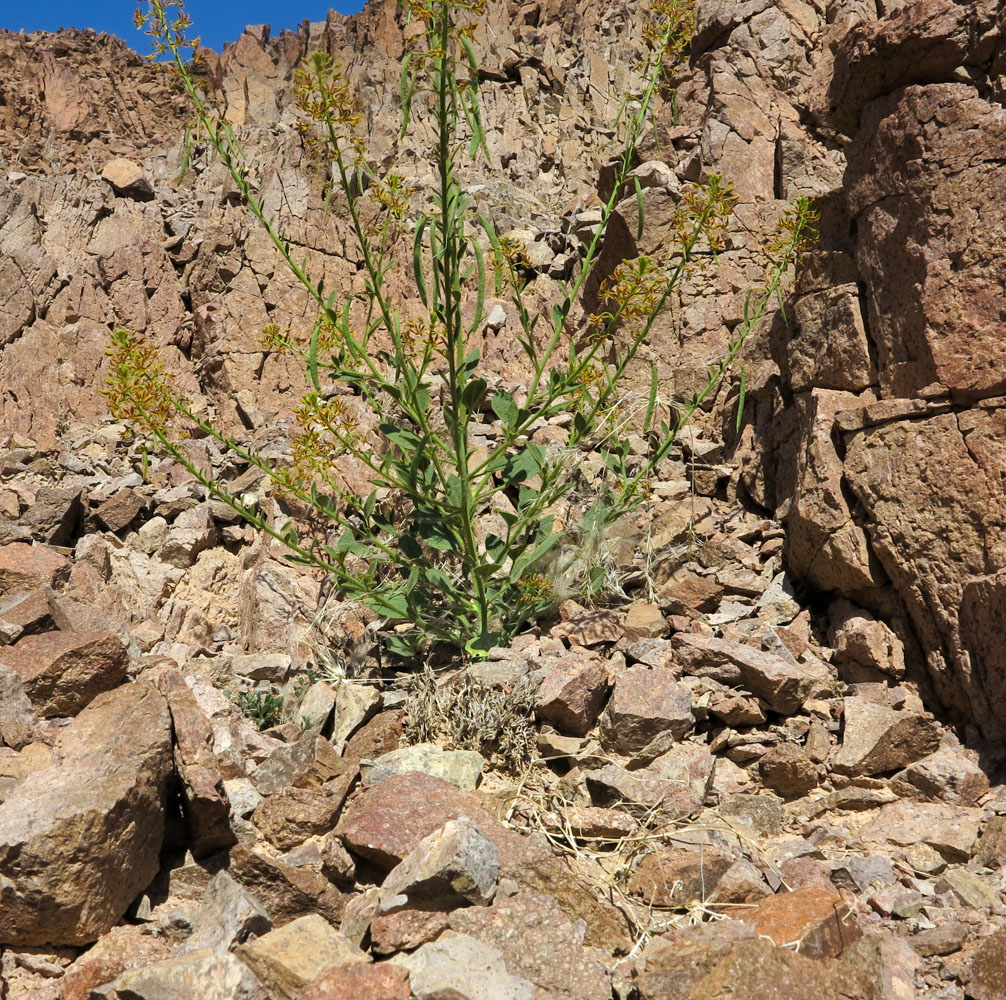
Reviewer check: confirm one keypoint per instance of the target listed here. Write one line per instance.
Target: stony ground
(703, 791)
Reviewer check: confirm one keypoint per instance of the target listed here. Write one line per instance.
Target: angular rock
(288, 817)
(646, 703)
(63, 671)
(948, 775)
(877, 739)
(205, 974)
(205, 806)
(127, 178)
(676, 877)
(80, 839)
(289, 957)
(406, 930)
(538, 942)
(815, 920)
(452, 866)
(456, 965)
(26, 567)
(573, 693)
(55, 516)
(354, 705)
(788, 771)
(228, 914)
(192, 532)
(17, 716)
(125, 947)
(460, 767)
(356, 982)
(783, 684)
(119, 511)
(951, 830)
(643, 621)
(383, 823)
(382, 734)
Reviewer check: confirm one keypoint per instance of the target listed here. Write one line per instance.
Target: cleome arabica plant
(411, 548)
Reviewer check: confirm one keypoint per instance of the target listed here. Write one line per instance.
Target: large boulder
(80, 839)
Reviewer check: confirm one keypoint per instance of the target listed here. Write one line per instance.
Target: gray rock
(228, 914)
(877, 739)
(646, 703)
(460, 767)
(457, 864)
(203, 974)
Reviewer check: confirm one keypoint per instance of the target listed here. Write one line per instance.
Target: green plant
(265, 708)
(411, 548)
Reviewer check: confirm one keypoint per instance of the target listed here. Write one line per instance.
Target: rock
(877, 739)
(228, 915)
(80, 839)
(783, 684)
(63, 671)
(205, 805)
(591, 628)
(355, 982)
(645, 704)
(858, 638)
(192, 532)
(27, 567)
(460, 767)
(454, 865)
(205, 974)
(948, 775)
(382, 734)
(676, 877)
(17, 716)
(55, 516)
(942, 940)
(951, 830)
(573, 693)
(384, 823)
(127, 178)
(406, 930)
(354, 705)
(119, 511)
(687, 592)
(124, 947)
(312, 760)
(538, 943)
(788, 771)
(456, 965)
(815, 920)
(315, 708)
(643, 621)
(284, 891)
(777, 605)
(987, 976)
(288, 958)
(288, 817)
(673, 962)
(974, 890)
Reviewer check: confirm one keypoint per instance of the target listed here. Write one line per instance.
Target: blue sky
(215, 21)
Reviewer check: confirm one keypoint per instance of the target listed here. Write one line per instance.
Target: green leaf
(417, 260)
(407, 89)
(651, 402)
(474, 393)
(525, 464)
(506, 409)
(409, 547)
(741, 400)
(640, 209)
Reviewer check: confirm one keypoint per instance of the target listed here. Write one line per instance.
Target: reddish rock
(949, 775)
(590, 628)
(817, 920)
(687, 592)
(127, 946)
(360, 982)
(381, 735)
(406, 930)
(788, 771)
(646, 703)
(951, 830)
(29, 613)
(573, 693)
(384, 822)
(671, 876)
(28, 567)
(987, 975)
(121, 510)
(877, 739)
(288, 817)
(63, 671)
(643, 621)
(539, 944)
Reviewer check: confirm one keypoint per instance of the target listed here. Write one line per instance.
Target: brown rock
(788, 771)
(28, 613)
(289, 957)
(406, 930)
(381, 735)
(26, 567)
(951, 830)
(688, 592)
(384, 822)
(205, 805)
(573, 693)
(127, 946)
(17, 716)
(590, 628)
(63, 671)
(55, 516)
(987, 979)
(948, 775)
(127, 179)
(539, 944)
(671, 876)
(815, 919)
(646, 703)
(288, 817)
(643, 621)
(80, 839)
(355, 982)
(119, 511)
(877, 739)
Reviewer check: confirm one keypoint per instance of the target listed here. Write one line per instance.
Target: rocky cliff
(825, 580)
